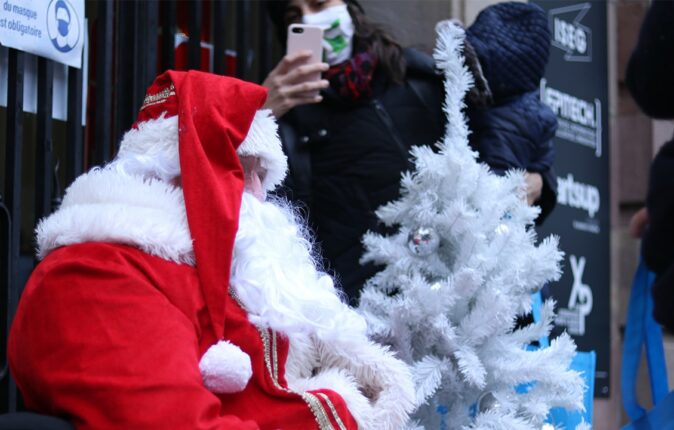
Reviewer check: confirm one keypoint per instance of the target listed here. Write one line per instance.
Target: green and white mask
(338, 32)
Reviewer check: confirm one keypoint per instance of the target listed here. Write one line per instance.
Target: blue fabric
(582, 362)
(512, 41)
(661, 417)
(514, 134)
(641, 331)
(585, 363)
(536, 306)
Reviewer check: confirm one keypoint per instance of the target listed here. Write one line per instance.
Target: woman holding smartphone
(348, 134)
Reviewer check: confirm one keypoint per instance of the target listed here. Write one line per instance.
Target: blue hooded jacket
(516, 133)
(512, 43)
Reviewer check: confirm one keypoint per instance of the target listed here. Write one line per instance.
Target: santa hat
(154, 132)
(218, 119)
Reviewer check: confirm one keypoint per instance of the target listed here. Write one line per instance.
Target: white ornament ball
(423, 241)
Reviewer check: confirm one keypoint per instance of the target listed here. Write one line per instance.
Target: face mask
(338, 32)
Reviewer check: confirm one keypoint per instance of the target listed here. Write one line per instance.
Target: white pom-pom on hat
(225, 368)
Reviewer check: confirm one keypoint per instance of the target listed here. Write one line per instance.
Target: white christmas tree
(460, 269)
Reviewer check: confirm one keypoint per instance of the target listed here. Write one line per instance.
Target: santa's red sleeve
(95, 342)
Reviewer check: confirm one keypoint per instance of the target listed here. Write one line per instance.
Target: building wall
(411, 22)
(634, 139)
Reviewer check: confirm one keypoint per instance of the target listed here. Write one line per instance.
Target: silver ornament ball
(487, 402)
(423, 241)
(502, 229)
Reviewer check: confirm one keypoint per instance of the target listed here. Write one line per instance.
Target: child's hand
(534, 183)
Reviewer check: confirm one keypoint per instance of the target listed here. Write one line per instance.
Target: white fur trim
(263, 141)
(105, 206)
(158, 139)
(302, 359)
(343, 383)
(155, 140)
(225, 368)
(376, 386)
(383, 378)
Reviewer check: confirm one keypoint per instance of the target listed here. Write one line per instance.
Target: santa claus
(172, 296)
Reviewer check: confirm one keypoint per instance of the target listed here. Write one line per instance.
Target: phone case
(306, 37)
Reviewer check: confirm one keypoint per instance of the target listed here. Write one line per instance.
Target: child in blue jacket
(512, 44)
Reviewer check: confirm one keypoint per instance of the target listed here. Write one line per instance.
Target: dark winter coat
(517, 133)
(650, 79)
(658, 240)
(345, 160)
(650, 71)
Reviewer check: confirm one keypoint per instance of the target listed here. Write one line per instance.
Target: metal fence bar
(13, 155)
(44, 157)
(138, 56)
(265, 44)
(218, 37)
(6, 385)
(102, 133)
(194, 30)
(168, 34)
(151, 33)
(74, 131)
(125, 32)
(242, 43)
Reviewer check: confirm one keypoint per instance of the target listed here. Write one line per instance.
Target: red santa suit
(130, 320)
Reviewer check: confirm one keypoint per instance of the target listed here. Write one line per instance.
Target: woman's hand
(534, 183)
(290, 83)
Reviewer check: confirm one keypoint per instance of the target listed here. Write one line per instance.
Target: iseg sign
(50, 28)
(569, 34)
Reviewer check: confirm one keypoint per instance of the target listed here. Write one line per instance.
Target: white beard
(275, 277)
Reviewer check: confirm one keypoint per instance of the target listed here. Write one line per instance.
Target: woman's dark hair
(372, 37)
(368, 36)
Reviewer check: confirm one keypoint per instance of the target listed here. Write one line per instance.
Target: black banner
(576, 88)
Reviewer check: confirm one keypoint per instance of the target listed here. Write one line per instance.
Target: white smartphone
(306, 37)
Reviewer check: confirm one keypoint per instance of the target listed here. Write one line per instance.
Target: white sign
(53, 29)
(60, 84)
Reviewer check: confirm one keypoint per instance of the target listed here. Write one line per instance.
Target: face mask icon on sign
(62, 25)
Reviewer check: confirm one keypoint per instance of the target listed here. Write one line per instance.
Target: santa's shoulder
(106, 206)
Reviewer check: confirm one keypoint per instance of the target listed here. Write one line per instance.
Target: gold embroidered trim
(264, 335)
(335, 415)
(274, 351)
(160, 97)
(271, 362)
(318, 411)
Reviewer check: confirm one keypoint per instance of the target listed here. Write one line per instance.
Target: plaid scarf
(352, 78)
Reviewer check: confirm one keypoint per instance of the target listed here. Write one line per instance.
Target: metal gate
(131, 41)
